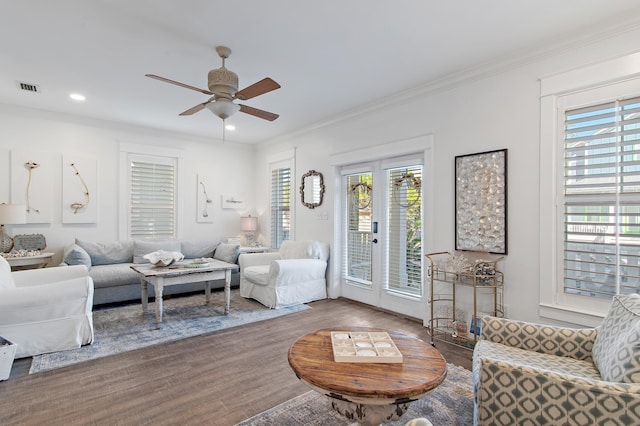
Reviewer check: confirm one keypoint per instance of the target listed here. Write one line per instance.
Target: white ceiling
(330, 56)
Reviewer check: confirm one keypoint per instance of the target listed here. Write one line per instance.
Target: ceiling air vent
(28, 87)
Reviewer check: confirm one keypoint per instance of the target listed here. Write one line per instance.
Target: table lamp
(249, 225)
(10, 214)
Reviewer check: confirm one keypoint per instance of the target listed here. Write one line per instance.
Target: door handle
(374, 241)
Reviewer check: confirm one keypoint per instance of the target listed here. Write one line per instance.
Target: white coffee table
(181, 273)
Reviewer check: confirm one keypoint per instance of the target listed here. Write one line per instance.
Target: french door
(382, 261)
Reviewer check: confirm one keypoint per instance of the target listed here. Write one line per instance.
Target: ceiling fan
(223, 89)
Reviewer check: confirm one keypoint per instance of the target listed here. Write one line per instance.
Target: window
(590, 203)
(280, 204)
(602, 199)
(152, 197)
(150, 203)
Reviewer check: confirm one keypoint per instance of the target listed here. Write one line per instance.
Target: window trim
(127, 149)
(277, 161)
(557, 93)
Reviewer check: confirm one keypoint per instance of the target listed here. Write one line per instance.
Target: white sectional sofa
(114, 280)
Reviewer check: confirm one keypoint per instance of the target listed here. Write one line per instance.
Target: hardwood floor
(216, 379)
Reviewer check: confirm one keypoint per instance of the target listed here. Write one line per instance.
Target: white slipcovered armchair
(294, 275)
(46, 310)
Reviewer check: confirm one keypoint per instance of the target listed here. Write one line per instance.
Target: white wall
(487, 111)
(228, 168)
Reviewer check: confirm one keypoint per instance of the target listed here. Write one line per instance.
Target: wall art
(204, 206)
(79, 189)
(232, 202)
(32, 184)
(481, 202)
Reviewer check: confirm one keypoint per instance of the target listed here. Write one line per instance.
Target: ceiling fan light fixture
(223, 108)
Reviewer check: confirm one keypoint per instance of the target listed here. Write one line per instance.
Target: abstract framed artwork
(481, 202)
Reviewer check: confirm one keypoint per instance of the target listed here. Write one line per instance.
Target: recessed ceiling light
(77, 97)
(230, 127)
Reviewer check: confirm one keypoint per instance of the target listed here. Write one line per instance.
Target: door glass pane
(404, 228)
(358, 236)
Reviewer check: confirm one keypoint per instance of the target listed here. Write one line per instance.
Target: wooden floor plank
(219, 378)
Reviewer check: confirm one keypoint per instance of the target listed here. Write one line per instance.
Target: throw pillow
(108, 253)
(227, 252)
(142, 247)
(616, 350)
(6, 280)
(197, 249)
(76, 255)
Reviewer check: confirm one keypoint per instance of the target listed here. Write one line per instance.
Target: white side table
(249, 249)
(29, 262)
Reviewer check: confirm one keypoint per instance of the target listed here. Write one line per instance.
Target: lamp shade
(249, 224)
(13, 214)
(223, 108)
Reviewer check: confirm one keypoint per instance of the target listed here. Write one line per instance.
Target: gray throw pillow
(108, 253)
(142, 247)
(197, 249)
(76, 255)
(616, 350)
(227, 252)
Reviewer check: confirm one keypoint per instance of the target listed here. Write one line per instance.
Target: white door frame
(414, 145)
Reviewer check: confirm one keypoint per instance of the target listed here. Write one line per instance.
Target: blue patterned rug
(125, 328)
(450, 404)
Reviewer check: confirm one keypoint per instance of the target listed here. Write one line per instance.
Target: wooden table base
(369, 393)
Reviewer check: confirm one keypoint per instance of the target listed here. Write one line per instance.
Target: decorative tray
(360, 346)
(197, 263)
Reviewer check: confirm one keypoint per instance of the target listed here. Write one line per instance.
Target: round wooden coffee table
(370, 393)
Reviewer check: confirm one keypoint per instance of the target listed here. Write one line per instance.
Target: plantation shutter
(152, 192)
(602, 199)
(404, 249)
(358, 232)
(280, 205)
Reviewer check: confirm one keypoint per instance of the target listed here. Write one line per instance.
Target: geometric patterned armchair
(531, 374)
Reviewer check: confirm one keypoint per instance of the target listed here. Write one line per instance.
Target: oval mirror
(312, 189)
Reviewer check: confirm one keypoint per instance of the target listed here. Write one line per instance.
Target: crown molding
(516, 59)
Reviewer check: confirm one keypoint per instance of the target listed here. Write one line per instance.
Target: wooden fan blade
(260, 88)
(266, 115)
(194, 109)
(177, 83)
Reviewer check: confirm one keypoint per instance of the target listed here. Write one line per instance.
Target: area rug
(451, 403)
(125, 328)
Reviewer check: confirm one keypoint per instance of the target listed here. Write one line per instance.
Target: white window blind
(358, 232)
(404, 248)
(602, 199)
(152, 202)
(280, 205)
